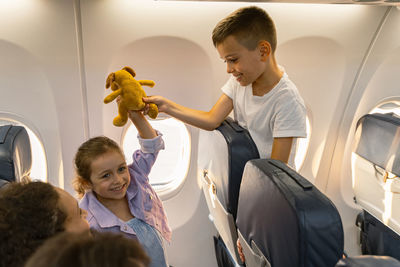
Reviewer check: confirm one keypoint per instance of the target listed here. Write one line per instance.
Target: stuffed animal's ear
(110, 79)
(130, 70)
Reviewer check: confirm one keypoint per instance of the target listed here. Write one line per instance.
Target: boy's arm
(281, 148)
(144, 128)
(207, 120)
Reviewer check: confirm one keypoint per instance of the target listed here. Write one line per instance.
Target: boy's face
(245, 65)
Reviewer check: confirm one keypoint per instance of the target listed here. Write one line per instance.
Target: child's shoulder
(287, 87)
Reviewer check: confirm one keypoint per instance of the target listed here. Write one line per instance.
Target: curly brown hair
(29, 214)
(101, 250)
(87, 152)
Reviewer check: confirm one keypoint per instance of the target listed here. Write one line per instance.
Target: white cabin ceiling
(358, 2)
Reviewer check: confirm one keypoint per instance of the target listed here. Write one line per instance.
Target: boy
(263, 98)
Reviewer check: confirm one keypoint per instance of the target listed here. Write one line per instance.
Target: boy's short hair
(248, 25)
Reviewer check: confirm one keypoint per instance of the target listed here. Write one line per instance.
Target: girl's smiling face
(109, 176)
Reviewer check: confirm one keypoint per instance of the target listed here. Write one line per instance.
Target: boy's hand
(161, 102)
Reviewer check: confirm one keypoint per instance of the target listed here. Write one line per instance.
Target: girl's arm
(207, 120)
(142, 125)
(150, 142)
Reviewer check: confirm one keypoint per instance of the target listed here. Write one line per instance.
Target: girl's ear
(87, 185)
(265, 50)
(81, 185)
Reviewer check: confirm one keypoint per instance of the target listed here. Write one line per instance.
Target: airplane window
(39, 163)
(302, 147)
(172, 164)
(388, 107)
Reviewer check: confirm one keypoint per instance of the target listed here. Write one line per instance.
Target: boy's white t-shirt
(279, 113)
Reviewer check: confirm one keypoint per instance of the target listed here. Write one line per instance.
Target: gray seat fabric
(283, 220)
(3, 183)
(15, 154)
(222, 156)
(368, 261)
(382, 127)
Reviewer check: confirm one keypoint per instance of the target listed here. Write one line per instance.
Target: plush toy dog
(130, 91)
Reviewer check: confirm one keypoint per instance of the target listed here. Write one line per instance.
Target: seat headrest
(368, 261)
(377, 140)
(15, 153)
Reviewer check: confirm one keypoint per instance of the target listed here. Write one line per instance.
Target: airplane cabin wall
(59, 53)
(377, 83)
(40, 78)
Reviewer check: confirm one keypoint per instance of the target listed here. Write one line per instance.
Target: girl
(119, 198)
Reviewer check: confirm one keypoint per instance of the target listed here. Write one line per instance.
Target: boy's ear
(265, 50)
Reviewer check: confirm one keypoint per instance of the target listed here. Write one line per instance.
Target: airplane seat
(15, 154)
(284, 220)
(3, 183)
(222, 156)
(376, 183)
(368, 261)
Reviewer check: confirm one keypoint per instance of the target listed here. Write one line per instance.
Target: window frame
(171, 188)
(15, 119)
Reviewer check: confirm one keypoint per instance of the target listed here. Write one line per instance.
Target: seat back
(368, 261)
(15, 154)
(384, 128)
(284, 220)
(376, 182)
(222, 156)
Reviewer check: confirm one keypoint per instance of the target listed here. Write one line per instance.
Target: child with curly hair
(99, 249)
(32, 212)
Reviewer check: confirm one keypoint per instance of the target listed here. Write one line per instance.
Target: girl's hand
(135, 114)
(132, 114)
(118, 100)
